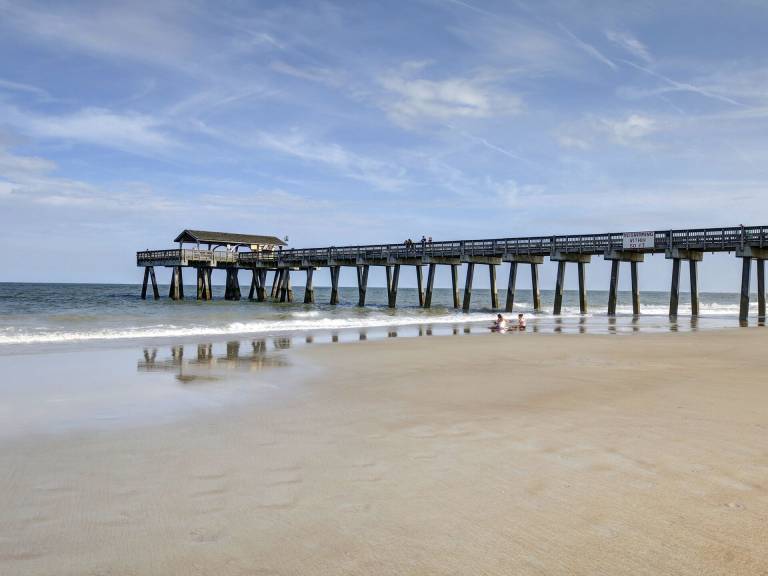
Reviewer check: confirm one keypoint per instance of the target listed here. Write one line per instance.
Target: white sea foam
(254, 327)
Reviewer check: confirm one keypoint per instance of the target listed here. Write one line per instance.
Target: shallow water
(36, 314)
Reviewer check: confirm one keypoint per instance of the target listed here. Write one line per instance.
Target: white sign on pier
(637, 240)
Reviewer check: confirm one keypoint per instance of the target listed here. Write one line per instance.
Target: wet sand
(513, 454)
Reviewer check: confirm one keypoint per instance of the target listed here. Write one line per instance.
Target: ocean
(45, 314)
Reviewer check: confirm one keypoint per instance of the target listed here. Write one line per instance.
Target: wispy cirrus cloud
(413, 98)
(628, 42)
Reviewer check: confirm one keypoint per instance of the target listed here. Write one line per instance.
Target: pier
(265, 255)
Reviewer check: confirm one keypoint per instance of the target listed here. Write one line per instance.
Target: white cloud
(412, 100)
(383, 175)
(630, 130)
(630, 44)
(137, 133)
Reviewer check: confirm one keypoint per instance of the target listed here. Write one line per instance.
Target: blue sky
(362, 122)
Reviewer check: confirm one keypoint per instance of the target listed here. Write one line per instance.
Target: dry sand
(515, 454)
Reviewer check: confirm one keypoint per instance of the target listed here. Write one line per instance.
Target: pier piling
(455, 284)
(204, 283)
(275, 284)
(309, 288)
(582, 287)
(430, 285)
(149, 274)
(635, 289)
(746, 272)
(362, 284)
(535, 287)
(494, 291)
(613, 291)
(335, 284)
(761, 289)
(510, 303)
(694, 276)
(176, 289)
(393, 278)
(468, 286)
(420, 284)
(559, 282)
(674, 292)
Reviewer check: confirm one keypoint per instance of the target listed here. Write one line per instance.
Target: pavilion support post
(362, 284)
(746, 270)
(393, 280)
(288, 286)
(494, 289)
(309, 288)
(430, 285)
(420, 284)
(582, 287)
(761, 289)
(144, 284)
(510, 304)
(694, 275)
(176, 289)
(674, 293)
(613, 289)
(275, 284)
(535, 287)
(203, 286)
(635, 289)
(468, 286)
(559, 282)
(455, 284)
(335, 284)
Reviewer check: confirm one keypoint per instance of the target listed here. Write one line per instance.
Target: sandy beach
(518, 454)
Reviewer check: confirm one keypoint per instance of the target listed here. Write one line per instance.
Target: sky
(336, 123)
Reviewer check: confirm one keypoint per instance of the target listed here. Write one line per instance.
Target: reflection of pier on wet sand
(198, 365)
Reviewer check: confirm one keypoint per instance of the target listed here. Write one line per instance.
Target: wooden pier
(265, 254)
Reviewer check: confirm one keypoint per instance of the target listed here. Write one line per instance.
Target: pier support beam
(309, 288)
(613, 290)
(676, 255)
(286, 290)
(455, 284)
(232, 288)
(335, 284)
(149, 274)
(255, 284)
(430, 285)
(559, 282)
(494, 290)
(635, 289)
(468, 286)
(536, 291)
(694, 276)
(275, 284)
(562, 258)
(746, 272)
(393, 278)
(204, 283)
(616, 257)
(510, 303)
(261, 289)
(176, 289)
(362, 284)
(582, 287)
(761, 290)
(674, 292)
(420, 284)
